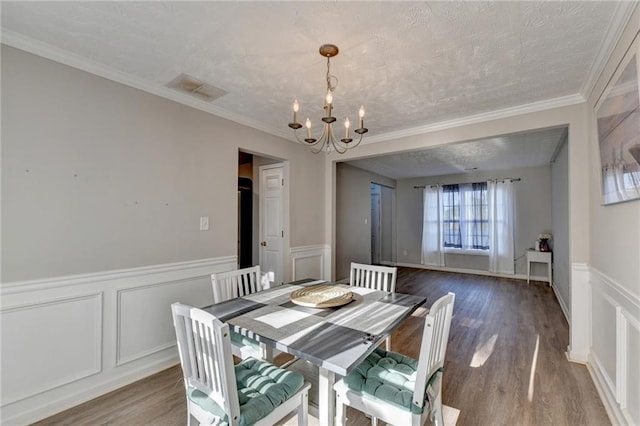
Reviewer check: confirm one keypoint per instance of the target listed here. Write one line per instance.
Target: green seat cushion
(240, 340)
(386, 376)
(261, 388)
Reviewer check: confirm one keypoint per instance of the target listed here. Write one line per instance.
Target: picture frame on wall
(618, 121)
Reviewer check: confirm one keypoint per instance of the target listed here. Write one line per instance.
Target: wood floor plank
(505, 364)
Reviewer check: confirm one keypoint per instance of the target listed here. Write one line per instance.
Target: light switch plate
(204, 223)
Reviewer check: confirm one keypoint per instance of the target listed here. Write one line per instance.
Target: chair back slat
(381, 278)
(434, 344)
(204, 345)
(232, 284)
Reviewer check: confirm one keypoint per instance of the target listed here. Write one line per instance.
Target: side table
(540, 257)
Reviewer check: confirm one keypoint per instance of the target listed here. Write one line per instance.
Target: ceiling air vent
(194, 87)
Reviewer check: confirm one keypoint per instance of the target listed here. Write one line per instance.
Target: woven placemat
(321, 296)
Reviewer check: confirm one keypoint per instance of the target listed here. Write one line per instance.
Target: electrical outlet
(204, 223)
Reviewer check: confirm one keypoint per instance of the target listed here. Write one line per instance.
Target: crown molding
(65, 57)
(621, 16)
(480, 118)
(47, 51)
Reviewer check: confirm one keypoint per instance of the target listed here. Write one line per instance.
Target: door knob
(263, 243)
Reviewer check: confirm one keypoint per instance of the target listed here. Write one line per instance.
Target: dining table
(335, 339)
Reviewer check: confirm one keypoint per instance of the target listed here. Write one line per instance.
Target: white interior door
(272, 220)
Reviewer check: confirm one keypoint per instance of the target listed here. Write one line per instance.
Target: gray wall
(353, 216)
(560, 224)
(532, 216)
(99, 176)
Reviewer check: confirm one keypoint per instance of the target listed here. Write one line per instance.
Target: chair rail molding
(106, 330)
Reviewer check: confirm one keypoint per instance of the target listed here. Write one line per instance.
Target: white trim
(563, 306)
(480, 118)
(472, 272)
(65, 57)
(97, 367)
(115, 275)
(608, 400)
(113, 371)
(321, 251)
(628, 300)
(580, 331)
(621, 17)
(621, 357)
(121, 360)
(39, 412)
(627, 314)
(44, 50)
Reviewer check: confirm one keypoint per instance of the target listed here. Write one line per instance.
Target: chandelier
(328, 140)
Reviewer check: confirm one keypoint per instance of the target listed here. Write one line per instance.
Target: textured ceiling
(411, 64)
(498, 153)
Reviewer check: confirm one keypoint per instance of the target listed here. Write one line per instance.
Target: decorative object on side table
(543, 240)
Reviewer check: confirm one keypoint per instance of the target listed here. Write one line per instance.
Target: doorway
(251, 230)
(382, 225)
(376, 238)
(245, 210)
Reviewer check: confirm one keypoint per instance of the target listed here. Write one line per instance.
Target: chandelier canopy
(328, 140)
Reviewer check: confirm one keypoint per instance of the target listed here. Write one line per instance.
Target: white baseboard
(563, 306)
(473, 272)
(608, 399)
(40, 412)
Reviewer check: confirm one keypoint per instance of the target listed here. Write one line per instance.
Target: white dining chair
(397, 389)
(381, 278)
(238, 283)
(252, 392)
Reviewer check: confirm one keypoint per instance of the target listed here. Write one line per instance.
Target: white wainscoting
(67, 340)
(614, 355)
(311, 262)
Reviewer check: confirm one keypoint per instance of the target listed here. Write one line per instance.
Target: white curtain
(432, 250)
(501, 225)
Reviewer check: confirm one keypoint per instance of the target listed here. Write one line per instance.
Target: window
(465, 216)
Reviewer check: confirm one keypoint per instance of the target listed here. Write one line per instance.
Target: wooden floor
(505, 364)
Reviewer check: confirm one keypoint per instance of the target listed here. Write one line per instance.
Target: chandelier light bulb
(295, 111)
(346, 128)
(329, 97)
(361, 112)
(308, 124)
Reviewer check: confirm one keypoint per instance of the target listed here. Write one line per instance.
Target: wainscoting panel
(615, 347)
(50, 344)
(630, 397)
(145, 325)
(70, 339)
(310, 262)
(603, 334)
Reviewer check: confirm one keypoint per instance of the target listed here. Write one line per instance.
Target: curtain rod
(492, 180)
